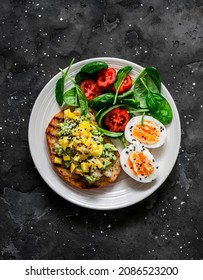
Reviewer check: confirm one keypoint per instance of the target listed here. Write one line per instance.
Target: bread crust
(77, 180)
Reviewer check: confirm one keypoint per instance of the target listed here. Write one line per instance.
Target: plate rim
(47, 181)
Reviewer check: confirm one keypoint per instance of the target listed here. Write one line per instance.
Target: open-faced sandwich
(81, 155)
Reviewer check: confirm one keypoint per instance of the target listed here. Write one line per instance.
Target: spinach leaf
(121, 75)
(59, 89)
(94, 67)
(149, 84)
(153, 101)
(147, 88)
(163, 113)
(70, 97)
(82, 99)
(110, 133)
(140, 93)
(159, 107)
(101, 101)
(154, 75)
(147, 80)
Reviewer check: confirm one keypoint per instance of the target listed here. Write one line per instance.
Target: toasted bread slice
(75, 179)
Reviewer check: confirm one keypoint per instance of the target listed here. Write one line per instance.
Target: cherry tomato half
(116, 119)
(90, 88)
(106, 77)
(126, 85)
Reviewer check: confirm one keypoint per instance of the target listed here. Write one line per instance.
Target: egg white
(124, 163)
(134, 121)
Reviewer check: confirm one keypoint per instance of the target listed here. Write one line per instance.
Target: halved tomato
(116, 119)
(106, 78)
(90, 88)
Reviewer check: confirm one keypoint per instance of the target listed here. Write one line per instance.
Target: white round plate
(125, 191)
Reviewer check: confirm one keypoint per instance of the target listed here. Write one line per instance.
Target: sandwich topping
(81, 147)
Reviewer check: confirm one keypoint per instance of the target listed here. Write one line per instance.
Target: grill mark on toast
(52, 131)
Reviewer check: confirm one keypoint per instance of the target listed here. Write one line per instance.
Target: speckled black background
(38, 37)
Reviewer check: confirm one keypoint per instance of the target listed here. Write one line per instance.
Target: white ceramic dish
(125, 191)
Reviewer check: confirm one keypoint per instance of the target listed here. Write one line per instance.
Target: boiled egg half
(152, 133)
(139, 163)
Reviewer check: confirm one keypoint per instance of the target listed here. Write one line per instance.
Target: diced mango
(95, 162)
(83, 157)
(72, 167)
(57, 160)
(86, 134)
(64, 143)
(97, 150)
(88, 142)
(85, 167)
(66, 158)
(69, 115)
(85, 125)
(83, 149)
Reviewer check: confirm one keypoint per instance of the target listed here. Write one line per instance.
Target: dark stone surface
(38, 37)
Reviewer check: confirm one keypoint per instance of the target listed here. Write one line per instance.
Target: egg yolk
(147, 134)
(140, 164)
